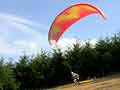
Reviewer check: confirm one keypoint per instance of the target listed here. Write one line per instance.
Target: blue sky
(24, 24)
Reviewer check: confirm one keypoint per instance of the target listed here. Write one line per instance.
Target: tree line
(48, 69)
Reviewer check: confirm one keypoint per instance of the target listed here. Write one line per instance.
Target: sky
(24, 24)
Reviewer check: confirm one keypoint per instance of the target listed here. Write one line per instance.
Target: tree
(40, 66)
(23, 72)
(7, 78)
(72, 56)
(59, 69)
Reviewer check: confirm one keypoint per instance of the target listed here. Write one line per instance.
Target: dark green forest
(48, 69)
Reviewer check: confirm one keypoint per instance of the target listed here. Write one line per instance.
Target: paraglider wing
(68, 17)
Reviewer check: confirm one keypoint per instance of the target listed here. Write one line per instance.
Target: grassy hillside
(107, 83)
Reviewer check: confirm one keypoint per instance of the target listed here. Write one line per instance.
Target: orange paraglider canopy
(68, 17)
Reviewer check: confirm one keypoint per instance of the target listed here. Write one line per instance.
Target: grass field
(107, 83)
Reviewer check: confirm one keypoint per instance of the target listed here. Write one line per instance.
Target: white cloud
(10, 22)
(7, 18)
(64, 43)
(5, 48)
(93, 41)
(18, 34)
(30, 48)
